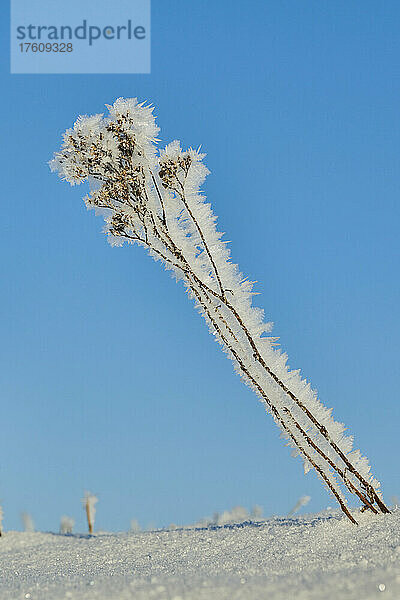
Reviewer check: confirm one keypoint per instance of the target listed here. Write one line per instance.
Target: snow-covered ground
(321, 557)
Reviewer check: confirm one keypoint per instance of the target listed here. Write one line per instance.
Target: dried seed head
(172, 168)
(120, 224)
(168, 172)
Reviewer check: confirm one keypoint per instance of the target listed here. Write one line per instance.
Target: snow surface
(321, 557)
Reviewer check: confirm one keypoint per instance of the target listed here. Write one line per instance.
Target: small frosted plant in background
(1, 520)
(257, 512)
(89, 501)
(302, 501)
(152, 198)
(135, 527)
(238, 514)
(27, 522)
(66, 524)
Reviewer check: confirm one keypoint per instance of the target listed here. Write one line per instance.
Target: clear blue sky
(109, 379)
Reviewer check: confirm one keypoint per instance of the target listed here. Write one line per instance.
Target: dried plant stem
(88, 516)
(154, 201)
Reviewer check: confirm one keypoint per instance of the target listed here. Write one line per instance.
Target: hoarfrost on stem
(152, 198)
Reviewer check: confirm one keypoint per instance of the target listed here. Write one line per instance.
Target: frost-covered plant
(238, 514)
(152, 198)
(27, 522)
(257, 512)
(66, 524)
(302, 501)
(89, 500)
(135, 527)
